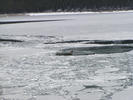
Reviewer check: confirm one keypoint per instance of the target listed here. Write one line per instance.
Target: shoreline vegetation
(61, 12)
(27, 6)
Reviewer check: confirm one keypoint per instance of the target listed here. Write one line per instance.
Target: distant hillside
(19, 6)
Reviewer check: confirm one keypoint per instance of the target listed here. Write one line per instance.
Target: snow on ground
(127, 94)
(31, 70)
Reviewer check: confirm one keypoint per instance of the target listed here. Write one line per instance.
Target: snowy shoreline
(69, 13)
(65, 13)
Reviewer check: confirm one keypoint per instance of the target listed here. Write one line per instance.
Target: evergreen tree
(17, 6)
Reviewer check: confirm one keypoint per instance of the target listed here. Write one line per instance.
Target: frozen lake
(65, 56)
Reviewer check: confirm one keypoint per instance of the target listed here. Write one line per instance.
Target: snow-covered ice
(31, 70)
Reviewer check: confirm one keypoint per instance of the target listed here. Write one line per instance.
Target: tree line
(20, 6)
